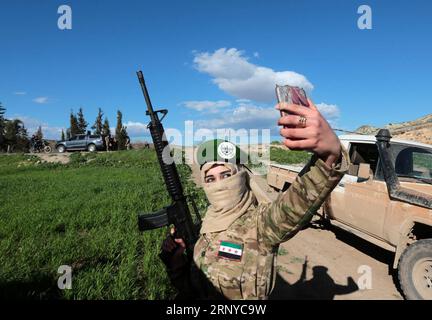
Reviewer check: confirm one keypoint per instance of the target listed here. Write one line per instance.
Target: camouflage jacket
(240, 262)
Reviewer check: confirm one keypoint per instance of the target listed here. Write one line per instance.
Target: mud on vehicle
(386, 199)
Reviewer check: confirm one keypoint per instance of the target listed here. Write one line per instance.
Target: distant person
(36, 143)
(33, 140)
(107, 142)
(128, 143)
(114, 145)
(146, 145)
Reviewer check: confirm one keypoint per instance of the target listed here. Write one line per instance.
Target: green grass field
(83, 214)
(283, 156)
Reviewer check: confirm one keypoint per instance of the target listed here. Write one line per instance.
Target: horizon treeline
(14, 135)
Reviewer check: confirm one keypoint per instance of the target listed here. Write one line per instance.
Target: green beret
(221, 151)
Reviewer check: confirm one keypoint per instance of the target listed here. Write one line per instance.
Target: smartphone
(291, 95)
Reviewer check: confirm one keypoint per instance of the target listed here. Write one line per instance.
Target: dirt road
(53, 157)
(336, 268)
(338, 264)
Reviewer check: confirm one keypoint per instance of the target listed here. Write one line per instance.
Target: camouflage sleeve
(294, 208)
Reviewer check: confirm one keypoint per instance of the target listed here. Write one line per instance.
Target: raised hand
(304, 128)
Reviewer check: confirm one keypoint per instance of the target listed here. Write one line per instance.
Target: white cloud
(212, 106)
(330, 111)
(32, 124)
(243, 101)
(20, 93)
(244, 116)
(41, 100)
(247, 115)
(135, 129)
(235, 75)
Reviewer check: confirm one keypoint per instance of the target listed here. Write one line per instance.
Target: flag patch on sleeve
(229, 250)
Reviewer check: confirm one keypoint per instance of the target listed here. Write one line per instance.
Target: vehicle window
(81, 137)
(73, 138)
(94, 136)
(413, 162)
(422, 164)
(364, 153)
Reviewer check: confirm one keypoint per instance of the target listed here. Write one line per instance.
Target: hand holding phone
(304, 128)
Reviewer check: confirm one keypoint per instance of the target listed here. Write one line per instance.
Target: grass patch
(83, 214)
(423, 160)
(283, 156)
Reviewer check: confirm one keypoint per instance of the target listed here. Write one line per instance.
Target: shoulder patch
(230, 251)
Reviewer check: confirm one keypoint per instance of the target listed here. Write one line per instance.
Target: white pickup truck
(386, 199)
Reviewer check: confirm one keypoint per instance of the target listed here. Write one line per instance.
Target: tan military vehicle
(386, 199)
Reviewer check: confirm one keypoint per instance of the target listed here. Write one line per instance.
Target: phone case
(291, 95)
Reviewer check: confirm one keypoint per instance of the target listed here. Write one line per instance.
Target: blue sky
(214, 62)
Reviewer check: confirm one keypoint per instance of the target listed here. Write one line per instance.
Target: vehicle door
(82, 142)
(72, 142)
(361, 203)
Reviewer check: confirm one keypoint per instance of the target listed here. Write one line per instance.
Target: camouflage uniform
(260, 231)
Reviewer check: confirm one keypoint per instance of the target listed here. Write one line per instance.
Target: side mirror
(364, 172)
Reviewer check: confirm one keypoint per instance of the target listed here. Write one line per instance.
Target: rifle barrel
(153, 116)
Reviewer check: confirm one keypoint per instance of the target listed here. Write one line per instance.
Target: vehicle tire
(61, 148)
(91, 148)
(47, 149)
(415, 270)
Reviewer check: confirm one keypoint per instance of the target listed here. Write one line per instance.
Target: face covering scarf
(229, 198)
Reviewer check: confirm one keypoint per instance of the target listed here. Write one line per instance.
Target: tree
(97, 126)
(106, 128)
(62, 135)
(10, 134)
(39, 133)
(121, 133)
(68, 133)
(15, 135)
(73, 129)
(82, 124)
(22, 143)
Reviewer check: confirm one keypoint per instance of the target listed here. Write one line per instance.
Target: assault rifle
(177, 213)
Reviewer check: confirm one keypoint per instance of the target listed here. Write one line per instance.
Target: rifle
(177, 213)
